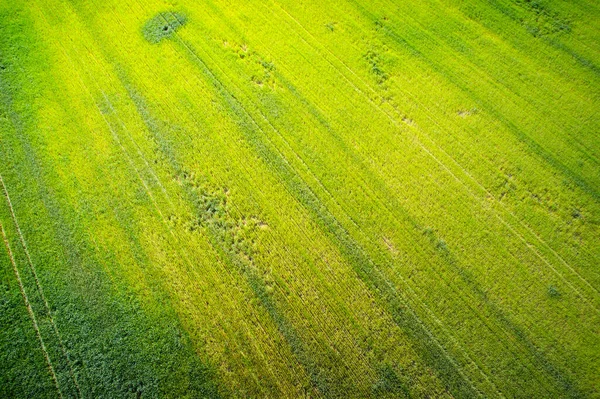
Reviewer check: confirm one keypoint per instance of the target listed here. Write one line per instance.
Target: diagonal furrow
(40, 290)
(31, 314)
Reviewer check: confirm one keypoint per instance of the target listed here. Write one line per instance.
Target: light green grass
(290, 199)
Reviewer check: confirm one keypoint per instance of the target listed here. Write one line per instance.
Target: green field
(285, 199)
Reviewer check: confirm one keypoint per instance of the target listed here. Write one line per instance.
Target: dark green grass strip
(427, 346)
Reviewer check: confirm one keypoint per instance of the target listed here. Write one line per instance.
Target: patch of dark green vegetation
(390, 384)
(553, 292)
(163, 26)
(374, 59)
(539, 20)
(262, 70)
(115, 348)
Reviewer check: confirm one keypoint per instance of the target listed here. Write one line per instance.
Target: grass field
(282, 199)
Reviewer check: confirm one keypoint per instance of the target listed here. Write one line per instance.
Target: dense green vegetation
(300, 199)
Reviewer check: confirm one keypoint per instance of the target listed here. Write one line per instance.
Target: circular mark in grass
(163, 25)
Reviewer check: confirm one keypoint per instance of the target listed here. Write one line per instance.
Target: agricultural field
(300, 199)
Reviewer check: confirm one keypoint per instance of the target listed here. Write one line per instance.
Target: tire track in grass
(16, 121)
(438, 320)
(429, 347)
(40, 290)
(443, 165)
(30, 312)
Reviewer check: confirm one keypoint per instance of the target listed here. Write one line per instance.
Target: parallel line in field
(528, 345)
(39, 288)
(30, 312)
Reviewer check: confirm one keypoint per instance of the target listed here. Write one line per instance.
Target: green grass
(287, 199)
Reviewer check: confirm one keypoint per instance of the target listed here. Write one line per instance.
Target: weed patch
(163, 26)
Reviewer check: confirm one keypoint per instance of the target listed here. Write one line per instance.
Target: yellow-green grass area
(281, 199)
